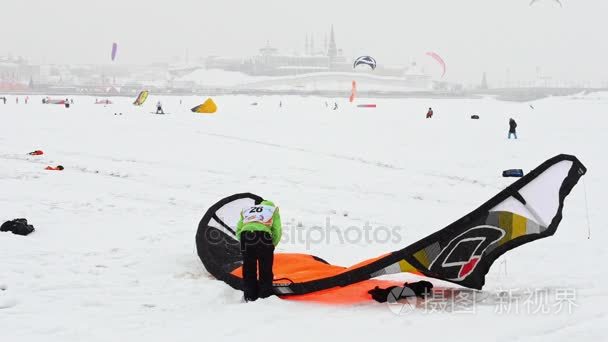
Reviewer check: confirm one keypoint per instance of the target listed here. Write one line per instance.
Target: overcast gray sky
(472, 35)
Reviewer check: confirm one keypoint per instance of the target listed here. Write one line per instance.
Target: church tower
(332, 51)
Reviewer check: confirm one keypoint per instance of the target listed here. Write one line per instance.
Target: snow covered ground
(113, 257)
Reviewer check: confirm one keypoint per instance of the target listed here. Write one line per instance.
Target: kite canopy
(141, 98)
(439, 60)
(114, 51)
(208, 107)
(365, 60)
(557, 1)
(462, 253)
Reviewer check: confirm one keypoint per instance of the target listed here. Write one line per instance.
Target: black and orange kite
(461, 253)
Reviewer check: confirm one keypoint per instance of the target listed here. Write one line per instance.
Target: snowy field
(113, 257)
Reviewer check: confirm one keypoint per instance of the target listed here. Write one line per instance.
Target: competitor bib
(260, 214)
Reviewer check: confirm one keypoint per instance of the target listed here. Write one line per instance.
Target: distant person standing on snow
(429, 114)
(159, 108)
(259, 231)
(512, 128)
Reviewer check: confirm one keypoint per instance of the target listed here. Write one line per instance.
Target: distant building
(270, 62)
(484, 82)
(17, 73)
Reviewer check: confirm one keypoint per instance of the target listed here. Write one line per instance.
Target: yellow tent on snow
(207, 107)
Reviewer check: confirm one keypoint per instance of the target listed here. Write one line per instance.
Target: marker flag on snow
(461, 253)
(353, 92)
(141, 98)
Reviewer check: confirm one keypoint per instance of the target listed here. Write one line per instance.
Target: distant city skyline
(508, 40)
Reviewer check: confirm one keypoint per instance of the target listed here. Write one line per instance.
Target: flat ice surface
(113, 257)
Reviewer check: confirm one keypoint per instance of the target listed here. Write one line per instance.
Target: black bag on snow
(17, 226)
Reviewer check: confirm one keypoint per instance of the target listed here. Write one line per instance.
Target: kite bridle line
(587, 211)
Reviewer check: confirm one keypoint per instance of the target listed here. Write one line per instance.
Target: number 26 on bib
(259, 213)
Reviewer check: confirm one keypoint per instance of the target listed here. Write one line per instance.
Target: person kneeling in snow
(259, 231)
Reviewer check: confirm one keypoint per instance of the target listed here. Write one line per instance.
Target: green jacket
(270, 226)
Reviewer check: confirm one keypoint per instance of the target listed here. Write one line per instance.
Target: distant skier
(335, 105)
(159, 108)
(512, 128)
(4, 99)
(17, 99)
(429, 114)
(259, 231)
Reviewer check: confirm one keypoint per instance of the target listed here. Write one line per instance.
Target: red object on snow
(370, 105)
(56, 168)
(36, 153)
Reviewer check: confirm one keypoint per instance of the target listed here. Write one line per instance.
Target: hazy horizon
(472, 35)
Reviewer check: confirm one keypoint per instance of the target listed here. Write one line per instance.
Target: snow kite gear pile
(17, 226)
(461, 253)
(54, 168)
(36, 153)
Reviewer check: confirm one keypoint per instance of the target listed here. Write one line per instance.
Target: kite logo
(462, 254)
(402, 300)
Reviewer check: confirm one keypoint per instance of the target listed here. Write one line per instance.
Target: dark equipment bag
(17, 226)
